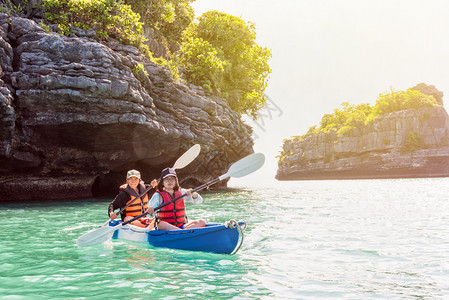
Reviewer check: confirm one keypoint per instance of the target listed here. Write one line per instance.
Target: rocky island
(399, 143)
(75, 114)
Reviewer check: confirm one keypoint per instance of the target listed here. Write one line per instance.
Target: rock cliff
(75, 114)
(407, 143)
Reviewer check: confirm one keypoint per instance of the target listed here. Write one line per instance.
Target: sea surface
(351, 239)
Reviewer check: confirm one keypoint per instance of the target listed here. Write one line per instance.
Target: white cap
(133, 173)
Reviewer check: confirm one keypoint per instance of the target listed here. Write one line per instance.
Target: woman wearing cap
(173, 216)
(129, 195)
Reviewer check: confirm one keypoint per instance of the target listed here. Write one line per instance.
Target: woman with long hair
(173, 216)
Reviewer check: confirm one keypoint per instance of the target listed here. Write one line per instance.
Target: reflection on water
(178, 272)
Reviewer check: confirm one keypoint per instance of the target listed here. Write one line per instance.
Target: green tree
(246, 68)
(349, 116)
(427, 89)
(201, 63)
(168, 18)
(106, 17)
(413, 142)
(399, 100)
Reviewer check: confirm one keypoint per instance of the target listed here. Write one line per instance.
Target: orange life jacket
(140, 205)
(174, 213)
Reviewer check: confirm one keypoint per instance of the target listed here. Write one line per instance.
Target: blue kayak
(224, 238)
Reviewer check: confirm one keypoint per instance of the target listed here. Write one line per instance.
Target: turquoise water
(354, 239)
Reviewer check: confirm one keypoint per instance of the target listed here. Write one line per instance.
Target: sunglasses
(171, 178)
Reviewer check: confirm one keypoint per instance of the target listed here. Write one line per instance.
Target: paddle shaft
(173, 200)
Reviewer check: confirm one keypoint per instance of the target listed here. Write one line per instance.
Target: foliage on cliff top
(107, 18)
(343, 121)
(428, 89)
(167, 18)
(218, 52)
(350, 116)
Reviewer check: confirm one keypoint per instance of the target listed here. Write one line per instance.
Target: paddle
(180, 163)
(243, 167)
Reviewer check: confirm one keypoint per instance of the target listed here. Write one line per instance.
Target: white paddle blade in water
(96, 236)
(187, 157)
(245, 166)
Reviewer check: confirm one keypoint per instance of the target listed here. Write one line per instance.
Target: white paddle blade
(245, 166)
(96, 236)
(187, 157)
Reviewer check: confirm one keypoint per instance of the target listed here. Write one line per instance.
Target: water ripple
(355, 239)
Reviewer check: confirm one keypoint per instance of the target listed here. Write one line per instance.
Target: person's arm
(119, 202)
(153, 189)
(154, 202)
(112, 215)
(190, 197)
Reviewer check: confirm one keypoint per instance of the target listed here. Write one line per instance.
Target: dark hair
(160, 185)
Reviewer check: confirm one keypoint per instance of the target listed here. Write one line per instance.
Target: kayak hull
(223, 238)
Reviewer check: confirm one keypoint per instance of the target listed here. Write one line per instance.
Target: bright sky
(326, 52)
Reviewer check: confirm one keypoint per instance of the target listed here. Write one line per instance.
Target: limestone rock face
(76, 114)
(407, 143)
